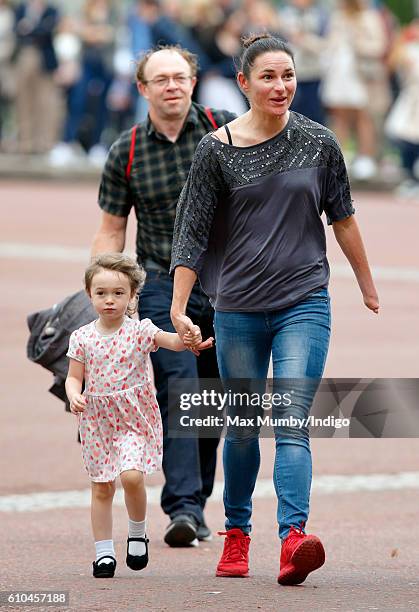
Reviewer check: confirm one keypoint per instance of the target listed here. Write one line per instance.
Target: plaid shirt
(159, 171)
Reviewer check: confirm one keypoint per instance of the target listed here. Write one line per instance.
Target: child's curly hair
(118, 262)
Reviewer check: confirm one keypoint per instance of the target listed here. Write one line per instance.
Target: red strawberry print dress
(120, 428)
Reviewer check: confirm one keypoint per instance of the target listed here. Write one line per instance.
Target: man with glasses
(146, 169)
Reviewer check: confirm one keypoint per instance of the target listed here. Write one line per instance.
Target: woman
(249, 225)
(355, 87)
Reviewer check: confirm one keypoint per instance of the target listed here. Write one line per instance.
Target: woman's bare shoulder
(221, 133)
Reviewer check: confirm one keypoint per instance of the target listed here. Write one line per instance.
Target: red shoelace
(235, 546)
(297, 531)
(294, 533)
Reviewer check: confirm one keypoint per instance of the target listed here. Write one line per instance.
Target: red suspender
(131, 153)
(209, 115)
(211, 118)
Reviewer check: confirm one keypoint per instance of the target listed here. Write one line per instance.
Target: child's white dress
(120, 428)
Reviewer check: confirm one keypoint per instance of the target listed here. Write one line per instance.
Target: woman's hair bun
(252, 38)
(266, 43)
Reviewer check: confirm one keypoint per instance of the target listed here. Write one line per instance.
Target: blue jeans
(188, 463)
(298, 338)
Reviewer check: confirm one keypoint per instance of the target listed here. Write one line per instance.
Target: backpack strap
(131, 152)
(210, 117)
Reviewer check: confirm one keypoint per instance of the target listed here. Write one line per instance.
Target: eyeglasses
(162, 82)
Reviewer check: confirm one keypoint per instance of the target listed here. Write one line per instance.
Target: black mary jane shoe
(104, 570)
(137, 562)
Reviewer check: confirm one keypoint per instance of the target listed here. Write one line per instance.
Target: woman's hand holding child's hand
(77, 403)
(193, 341)
(193, 337)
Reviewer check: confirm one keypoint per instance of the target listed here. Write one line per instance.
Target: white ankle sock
(103, 549)
(136, 529)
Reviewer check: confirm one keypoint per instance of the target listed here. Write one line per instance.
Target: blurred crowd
(67, 77)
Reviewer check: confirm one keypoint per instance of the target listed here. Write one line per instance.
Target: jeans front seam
(280, 498)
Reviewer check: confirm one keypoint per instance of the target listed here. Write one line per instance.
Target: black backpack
(50, 332)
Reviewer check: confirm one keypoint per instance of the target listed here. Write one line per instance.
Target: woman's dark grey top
(249, 218)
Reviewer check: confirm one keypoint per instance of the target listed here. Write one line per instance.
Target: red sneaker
(300, 555)
(234, 561)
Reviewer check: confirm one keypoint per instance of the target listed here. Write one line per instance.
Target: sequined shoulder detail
(303, 143)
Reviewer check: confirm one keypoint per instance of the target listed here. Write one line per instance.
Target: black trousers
(188, 463)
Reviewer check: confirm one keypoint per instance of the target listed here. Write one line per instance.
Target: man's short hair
(191, 58)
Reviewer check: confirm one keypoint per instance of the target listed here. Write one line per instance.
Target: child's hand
(206, 344)
(77, 403)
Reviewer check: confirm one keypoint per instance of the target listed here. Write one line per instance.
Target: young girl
(119, 419)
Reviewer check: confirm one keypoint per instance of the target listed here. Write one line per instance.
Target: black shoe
(137, 562)
(182, 531)
(203, 532)
(104, 570)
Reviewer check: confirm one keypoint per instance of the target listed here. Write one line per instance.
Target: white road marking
(389, 273)
(322, 485)
(48, 252)
(40, 252)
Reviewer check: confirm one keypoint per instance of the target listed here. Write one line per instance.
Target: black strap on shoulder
(230, 140)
